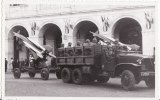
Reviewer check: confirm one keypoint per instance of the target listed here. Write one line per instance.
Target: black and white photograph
(79, 48)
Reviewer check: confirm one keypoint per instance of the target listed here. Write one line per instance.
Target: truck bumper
(147, 74)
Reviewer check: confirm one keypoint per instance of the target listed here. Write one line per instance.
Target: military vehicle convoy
(83, 64)
(100, 62)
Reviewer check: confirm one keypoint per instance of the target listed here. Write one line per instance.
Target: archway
(50, 34)
(128, 31)
(81, 31)
(16, 48)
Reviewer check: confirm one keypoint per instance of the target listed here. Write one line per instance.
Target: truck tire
(44, 74)
(150, 82)
(16, 73)
(58, 74)
(127, 80)
(77, 76)
(66, 75)
(31, 73)
(103, 79)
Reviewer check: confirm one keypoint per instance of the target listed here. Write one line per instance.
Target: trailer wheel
(77, 76)
(127, 80)
(66, 75)
(58, 74)
(150, 82)
(103, 79)
(16, 73)
(44, 74)
(31, 73)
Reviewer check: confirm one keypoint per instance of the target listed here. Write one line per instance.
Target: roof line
(81, 12)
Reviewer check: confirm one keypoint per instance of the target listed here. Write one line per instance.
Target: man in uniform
(94, 41)
(78, 43)
(87, 43)
(69, 45)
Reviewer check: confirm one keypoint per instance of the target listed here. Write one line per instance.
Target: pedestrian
(6, 62)
(13, 64)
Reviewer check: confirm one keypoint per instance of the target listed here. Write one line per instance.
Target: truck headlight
(139, 61)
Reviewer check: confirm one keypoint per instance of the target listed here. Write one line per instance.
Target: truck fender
(128, 66)
(132, 64)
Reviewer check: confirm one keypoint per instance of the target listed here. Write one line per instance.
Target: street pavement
(54, 87)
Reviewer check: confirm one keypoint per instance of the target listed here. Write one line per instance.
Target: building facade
(56, 24)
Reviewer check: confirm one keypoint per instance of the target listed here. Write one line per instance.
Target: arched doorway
(81, 31)
(16, 48)
(128, 31)
(50, 34)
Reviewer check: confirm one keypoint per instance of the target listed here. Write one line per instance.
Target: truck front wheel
(150, 82)
(127, 80)
(77, 76)
(66, 75)
(16, 73)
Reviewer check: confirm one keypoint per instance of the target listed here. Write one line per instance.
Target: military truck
(100, 62)
(40, 60)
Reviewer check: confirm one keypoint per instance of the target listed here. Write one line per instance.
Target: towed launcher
(42, 59)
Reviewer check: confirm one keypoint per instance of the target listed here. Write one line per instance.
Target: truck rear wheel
(31, 73)
(66, 75)
(77, 76)
(44, 74)
(16, 73)
(150, 82)
(127, 80)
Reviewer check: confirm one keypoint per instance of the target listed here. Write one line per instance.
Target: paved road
(56, 88)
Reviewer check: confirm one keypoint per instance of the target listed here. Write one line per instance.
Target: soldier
(78, 43)
(110, 50)
(69, 44)
(94, 41)
(87, 43)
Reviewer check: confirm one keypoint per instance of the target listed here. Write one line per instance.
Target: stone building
(56, 24)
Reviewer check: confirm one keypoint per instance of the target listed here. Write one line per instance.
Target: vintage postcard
(95, 49)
